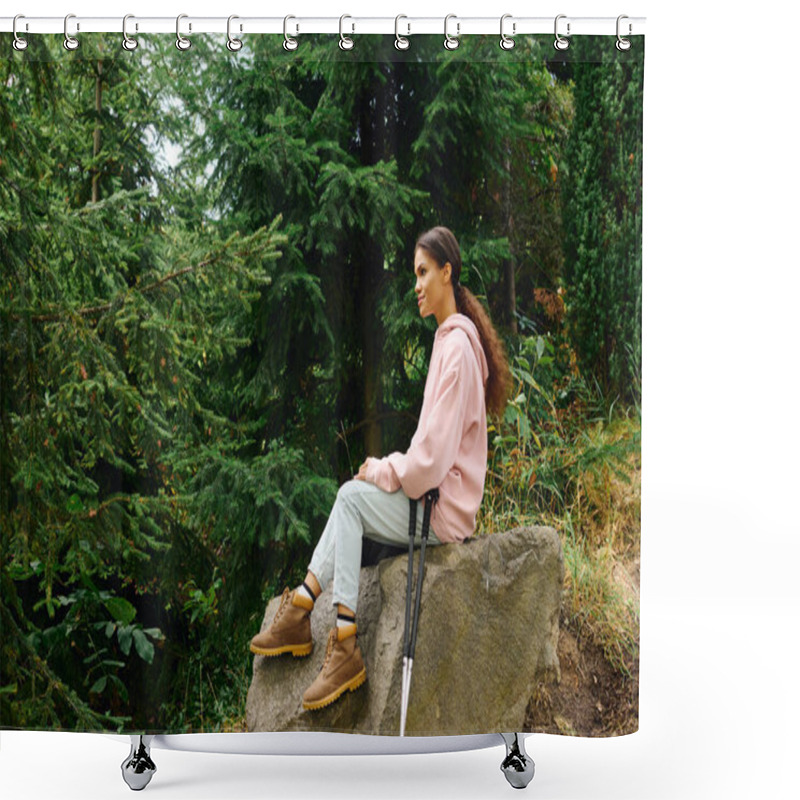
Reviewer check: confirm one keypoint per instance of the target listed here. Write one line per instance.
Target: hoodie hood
(464, 323)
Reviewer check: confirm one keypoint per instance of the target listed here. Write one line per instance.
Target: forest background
(197, 351)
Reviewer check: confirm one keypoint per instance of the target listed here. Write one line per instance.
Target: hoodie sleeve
(435, 445)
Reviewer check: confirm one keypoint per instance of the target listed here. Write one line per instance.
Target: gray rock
(488, 631)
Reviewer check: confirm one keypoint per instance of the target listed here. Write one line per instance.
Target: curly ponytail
(443, 246)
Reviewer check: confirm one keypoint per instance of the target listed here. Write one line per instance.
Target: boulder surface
(487, 636)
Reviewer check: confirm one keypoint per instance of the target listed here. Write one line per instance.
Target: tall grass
(567, 457)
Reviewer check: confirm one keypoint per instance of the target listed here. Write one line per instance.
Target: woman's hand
(362, 472)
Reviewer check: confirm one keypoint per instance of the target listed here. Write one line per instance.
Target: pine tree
(603, 221)
(108, 318)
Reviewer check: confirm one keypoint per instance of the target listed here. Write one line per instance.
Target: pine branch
(92, 311)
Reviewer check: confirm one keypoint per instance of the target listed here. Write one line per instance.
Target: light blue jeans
(361, 509)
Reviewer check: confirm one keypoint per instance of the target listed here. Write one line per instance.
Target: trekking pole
(412, 532)
(431, 496)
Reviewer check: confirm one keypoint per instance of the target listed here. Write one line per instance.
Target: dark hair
(443, 247)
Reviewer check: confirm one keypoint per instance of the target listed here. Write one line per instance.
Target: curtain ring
(451, 42)
(128, 43)
(70, 42)
(234, 45)
(19, 43)
(400, 42)
(506, 42)
(182, 43)
(288, 42)
(623, 44)
(345, 42)
(561, 43)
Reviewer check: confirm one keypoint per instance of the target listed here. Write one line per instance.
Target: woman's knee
(350, 489)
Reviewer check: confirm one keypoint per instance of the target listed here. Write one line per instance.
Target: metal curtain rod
(406, 26)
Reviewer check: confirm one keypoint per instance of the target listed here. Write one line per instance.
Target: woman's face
(433, 283)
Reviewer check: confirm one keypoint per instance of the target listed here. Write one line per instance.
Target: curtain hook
(70, 42)
(128, 43)
(623, 44)
(345, 42)
(506, 42)
(288, 42)
(19, 43)
(234, 45)
(182, 43)
(451, 42)
(561, 43)
(400, 42)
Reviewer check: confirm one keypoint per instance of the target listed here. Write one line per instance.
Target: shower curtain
(208, 321)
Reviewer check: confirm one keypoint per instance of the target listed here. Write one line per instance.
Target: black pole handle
(431, 498)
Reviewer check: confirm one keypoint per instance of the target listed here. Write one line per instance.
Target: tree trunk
(372, 130)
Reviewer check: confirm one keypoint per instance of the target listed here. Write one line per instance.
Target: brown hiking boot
(290, 631)
(343, 669)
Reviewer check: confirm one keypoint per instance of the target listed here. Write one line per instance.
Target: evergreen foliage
(603, 224)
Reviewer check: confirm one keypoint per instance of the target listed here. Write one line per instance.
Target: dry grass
(598, 517)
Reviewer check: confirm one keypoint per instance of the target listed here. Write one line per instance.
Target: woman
(468, 375)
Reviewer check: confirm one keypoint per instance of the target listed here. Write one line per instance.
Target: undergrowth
(564, 456)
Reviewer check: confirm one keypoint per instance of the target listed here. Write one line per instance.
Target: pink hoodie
(449, 449)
